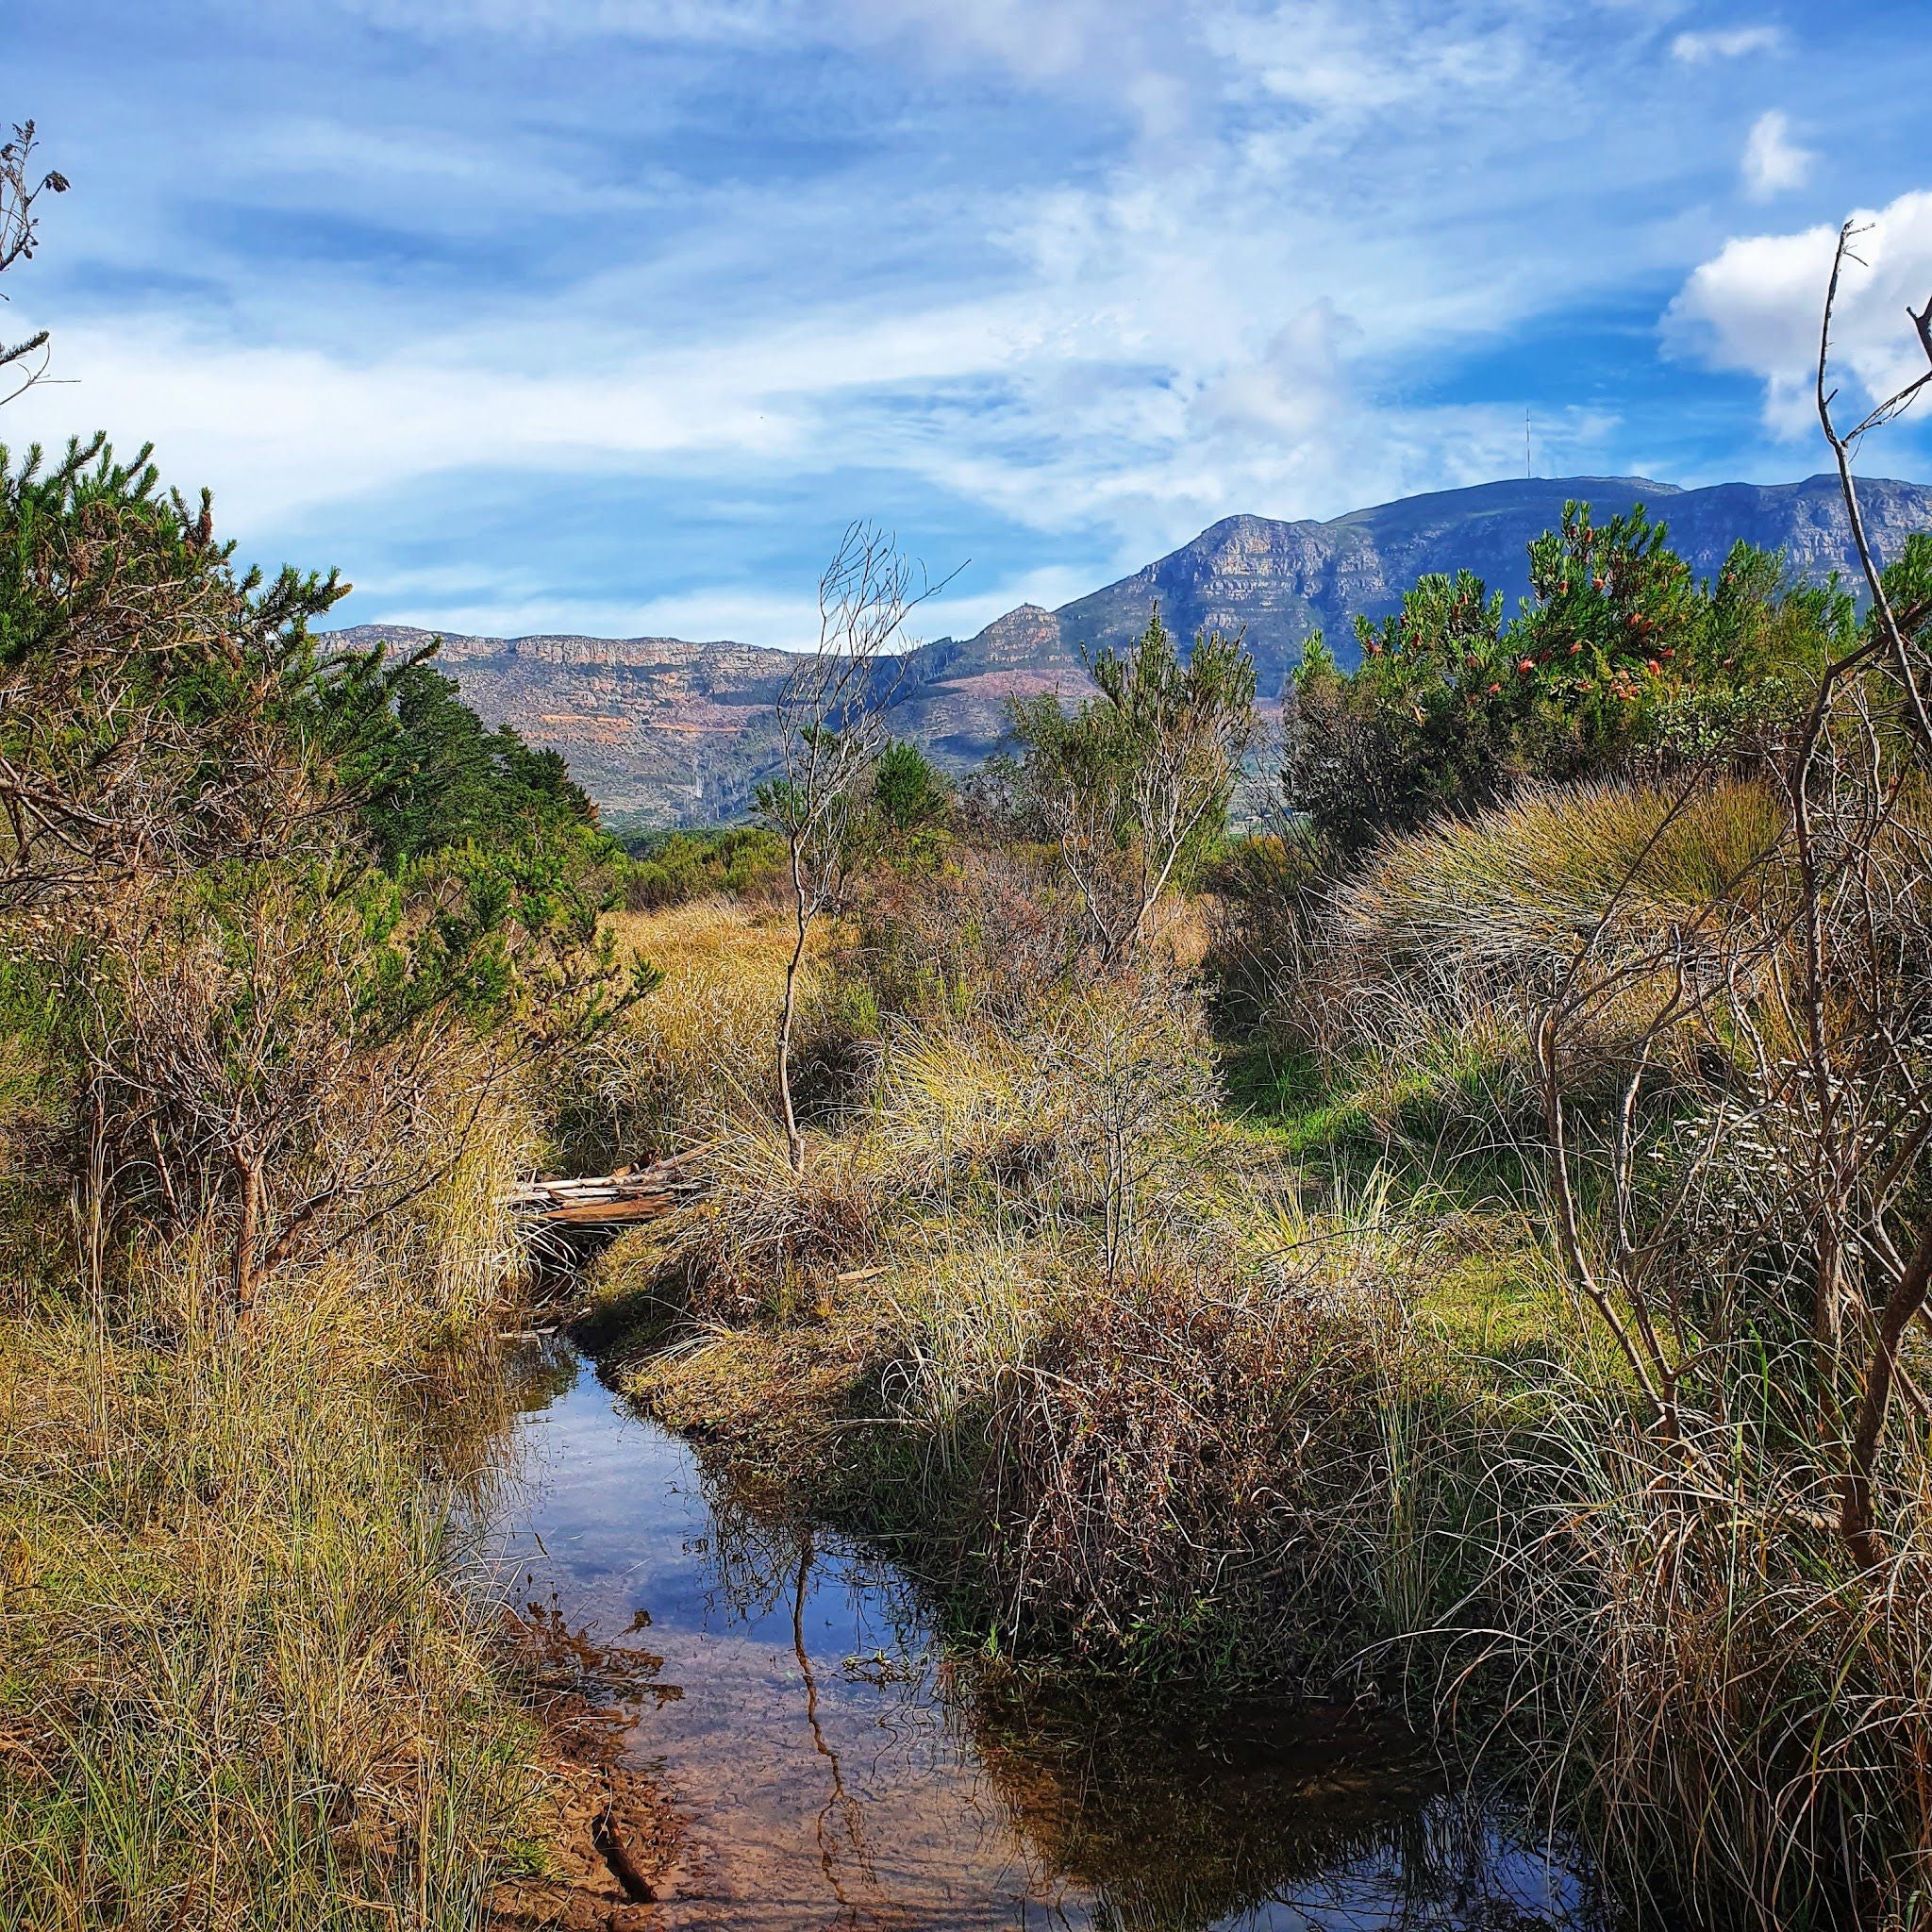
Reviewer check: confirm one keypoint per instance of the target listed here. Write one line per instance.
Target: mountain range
(661, 731)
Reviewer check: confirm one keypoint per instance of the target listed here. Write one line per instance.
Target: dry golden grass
(456, 1250)
(1430, 965)
(1182, 928)
(245, 1679)
(698, 1052)
(1515, 886)
(1082, 1116)
(244, 1682)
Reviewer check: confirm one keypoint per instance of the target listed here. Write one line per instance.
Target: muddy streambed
(836, 1768)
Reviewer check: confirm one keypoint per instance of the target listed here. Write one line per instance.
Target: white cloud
(1140, 353)
(1755, 308)
(1772, 161)
(1350, 63)
(277, 430)
(1725, 43)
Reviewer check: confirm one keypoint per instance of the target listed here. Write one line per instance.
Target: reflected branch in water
(841, 1800)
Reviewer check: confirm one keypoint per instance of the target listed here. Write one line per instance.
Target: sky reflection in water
(837, 1773)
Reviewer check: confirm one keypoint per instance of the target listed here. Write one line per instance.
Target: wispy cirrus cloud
(1774, 162)
(1726, 43)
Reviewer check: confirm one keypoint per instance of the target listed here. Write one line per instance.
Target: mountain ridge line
(675, 731)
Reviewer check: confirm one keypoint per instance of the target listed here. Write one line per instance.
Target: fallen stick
(616, 1853)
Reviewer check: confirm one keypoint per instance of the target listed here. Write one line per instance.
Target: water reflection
(842, 1771)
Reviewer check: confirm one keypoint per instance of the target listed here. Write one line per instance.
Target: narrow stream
(838, 1771)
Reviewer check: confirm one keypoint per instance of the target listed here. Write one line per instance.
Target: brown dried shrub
(1191, 1457)
(989, 935)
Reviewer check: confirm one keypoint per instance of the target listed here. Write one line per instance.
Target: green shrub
(1617, 653)
(669, 869)
(434, 777)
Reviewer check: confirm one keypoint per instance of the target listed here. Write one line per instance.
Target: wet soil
(611, 1836)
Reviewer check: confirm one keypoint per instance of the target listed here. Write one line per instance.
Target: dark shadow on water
(842, 1768)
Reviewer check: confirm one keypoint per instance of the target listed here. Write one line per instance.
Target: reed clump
(1736, 1709)
(1190, 1464)
(245, 1682)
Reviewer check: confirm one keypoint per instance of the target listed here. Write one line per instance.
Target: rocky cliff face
(1280, 581)
(656, 729)
(663, 731)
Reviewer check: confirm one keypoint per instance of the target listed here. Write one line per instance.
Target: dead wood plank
(628, 1194)
(608, 1213)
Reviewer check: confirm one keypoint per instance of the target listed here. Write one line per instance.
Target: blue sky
(605, 315)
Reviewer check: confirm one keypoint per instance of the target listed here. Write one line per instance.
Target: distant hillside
(666, 732)
(658, 731)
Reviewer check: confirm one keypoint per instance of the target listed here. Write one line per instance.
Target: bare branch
(19, 234)
(1843, 449)
(832, 717)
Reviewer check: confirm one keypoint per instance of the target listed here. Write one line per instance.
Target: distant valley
(661, 731)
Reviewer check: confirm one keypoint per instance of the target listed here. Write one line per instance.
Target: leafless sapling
(1899, 1255)
(832, 726)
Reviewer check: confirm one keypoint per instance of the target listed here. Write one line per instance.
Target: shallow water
(836, 1771)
